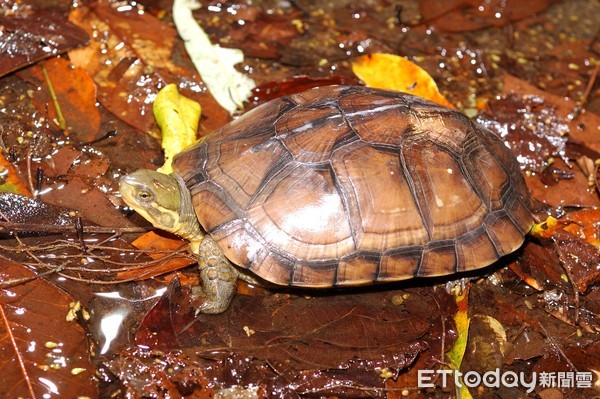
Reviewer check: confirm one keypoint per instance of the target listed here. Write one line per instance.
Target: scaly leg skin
(219, 278)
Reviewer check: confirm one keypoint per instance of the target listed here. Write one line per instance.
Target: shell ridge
(470, 144)
(511, 194)
(345, 203)
(277, 168)
(427, 223)
(487, 233)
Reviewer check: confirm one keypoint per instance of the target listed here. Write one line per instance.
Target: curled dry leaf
(589, 167)
(178, 118)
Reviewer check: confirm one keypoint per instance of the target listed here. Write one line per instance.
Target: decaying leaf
(389, 71)
(10, 182)
(42, 353)
(324, 343)
(215, 63)
(455, 354)
(65, 92)
(581, 223)
(29, 35)
(131, 59)
(466, 15)
(158, 247)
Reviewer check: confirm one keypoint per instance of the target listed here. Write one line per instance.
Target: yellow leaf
(178, 118)
(547, 228)
(389, 71)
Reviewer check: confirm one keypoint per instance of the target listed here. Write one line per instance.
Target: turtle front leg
(219, 278)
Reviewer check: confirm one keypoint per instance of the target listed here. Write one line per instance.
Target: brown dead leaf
(89, 200)
(263, 35)
(540, 131)
(302, 336)
(468, 15)
(75, 96)
(581, 223)
(336, 346)
(41, 353)
(565, 192)
(271, 90)
(584, 127)
(129, 58)
(28, 36)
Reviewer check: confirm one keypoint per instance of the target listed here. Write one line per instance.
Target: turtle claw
(205, 305)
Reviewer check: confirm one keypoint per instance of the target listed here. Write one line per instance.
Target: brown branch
(10, 227)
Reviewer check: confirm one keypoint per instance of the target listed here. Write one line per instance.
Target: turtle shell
(351, 185)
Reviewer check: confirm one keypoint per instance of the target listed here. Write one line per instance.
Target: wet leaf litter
(509, 66)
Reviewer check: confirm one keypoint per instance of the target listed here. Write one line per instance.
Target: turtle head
(155, 196)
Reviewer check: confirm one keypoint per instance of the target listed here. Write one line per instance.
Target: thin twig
(10, 227)
(590, 86)
(557, 347)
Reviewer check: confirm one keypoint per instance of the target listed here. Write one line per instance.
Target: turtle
(339, 186)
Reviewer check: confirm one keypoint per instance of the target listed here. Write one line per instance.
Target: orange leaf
(389, 71)
(154, 244)
(75, 95)
(583, 224)
(9, 179)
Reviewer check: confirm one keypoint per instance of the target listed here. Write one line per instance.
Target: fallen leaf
(389, 71)
(468, 15)
(215, 63)
(297, 84)
(158, 247)
(41, 353)
(74, 91)
(23, 209)
(130, 60)
(28, 36)
(456, 353)
(581, 223)
(461, 318)
(376, 329)
(583, 127)
(10, 180)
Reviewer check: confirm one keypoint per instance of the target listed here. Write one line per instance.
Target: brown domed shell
(351, 185)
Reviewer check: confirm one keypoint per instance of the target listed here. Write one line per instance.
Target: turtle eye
(144, 196)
